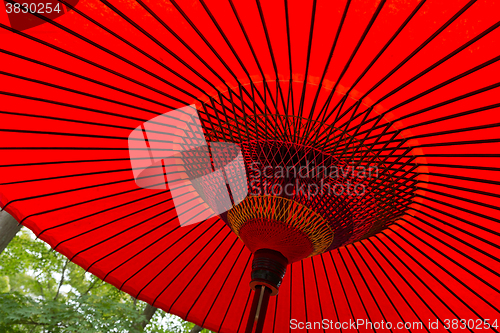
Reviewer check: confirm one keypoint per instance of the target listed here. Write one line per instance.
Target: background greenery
(41, 291)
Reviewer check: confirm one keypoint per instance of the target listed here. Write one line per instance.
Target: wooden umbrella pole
(258, 310)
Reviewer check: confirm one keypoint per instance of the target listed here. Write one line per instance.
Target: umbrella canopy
(408, 87)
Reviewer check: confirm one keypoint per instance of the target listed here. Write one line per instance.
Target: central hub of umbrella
(307, 194)
(282, 225)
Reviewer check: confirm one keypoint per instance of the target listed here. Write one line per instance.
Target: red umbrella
(404, 90)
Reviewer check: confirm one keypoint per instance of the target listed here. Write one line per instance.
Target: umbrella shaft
(258, 310)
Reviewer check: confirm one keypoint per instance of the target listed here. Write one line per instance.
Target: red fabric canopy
(415, 82)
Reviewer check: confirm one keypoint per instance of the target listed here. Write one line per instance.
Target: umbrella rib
(355, 51)
(93, 214)
(455, 143)
(85, 187)
(221, 32)
(460, 208)
(466, 189)
(68, 191)
(290, 67)
(205, 40)
(190, 49)
(433, 121)
(441, 61)
(365, 283)
(449, 81)
(275, 312)
(485, 253)
(220, 289)
(243, 107)
(264, 79)
(342, 285)
(143, 52)
(226, 117)
(116, 55)
(124, 40)
(121, 232)
(420, 47)
(397, 271)
(477, 203)
(212, 100)
(389, 42)
(479, 155)
(356, 131)
(219, 244)
(70, 176)
(71, 106)
(144, 32)
(215, 115)
(436, 144)
(295, 121)
(89, 62)
(329, 59)
(87, 136)
(461, 220)
(175, 258)
(270, 49)
(317, 290)
(455, 99)
(234, 112)
(456, 115)
(464, 129)
(433, 134)
(424, 72)
(87, 79)
(68, 120)
(233, 294)
(147, 247)
(334, 128)
(354, 286)
(418, 278)
(159, 20)
(308, 58)
(244, 310)
(48, 84)
(453, 166)
(382, 288)
(304, 289)
(330, 289)
(129, 243)
(81, 203)
(247, 39)
(291, 293)
(440, 282)
(486, 267)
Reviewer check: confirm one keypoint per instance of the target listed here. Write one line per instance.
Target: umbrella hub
(282, 225)
(268, 270)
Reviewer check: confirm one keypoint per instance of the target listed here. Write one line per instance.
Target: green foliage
(4, 284)
(41, 291)
(85, 314)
